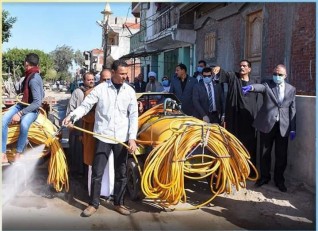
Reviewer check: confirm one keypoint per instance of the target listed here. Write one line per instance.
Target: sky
(45, 26)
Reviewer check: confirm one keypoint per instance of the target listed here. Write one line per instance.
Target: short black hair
(207, 69)
(32, 59)
(182, 66)
(88, 73)
(118, 63)
(249, 64)
(202, 61)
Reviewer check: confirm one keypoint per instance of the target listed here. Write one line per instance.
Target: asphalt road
(253, 208)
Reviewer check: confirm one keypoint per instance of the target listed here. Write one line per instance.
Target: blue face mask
(199, 69)
(207, 80)
(278, 79)
(165, 83)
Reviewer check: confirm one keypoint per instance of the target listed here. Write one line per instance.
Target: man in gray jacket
(276, 120)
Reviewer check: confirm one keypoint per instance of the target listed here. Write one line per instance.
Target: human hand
(132, 146)
(216, 70)
(206, 119)
(16, 118)
(292, 135)
(222, 119)
(246, 89)
(67, 122)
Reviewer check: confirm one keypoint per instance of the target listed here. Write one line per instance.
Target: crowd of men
(110, 109)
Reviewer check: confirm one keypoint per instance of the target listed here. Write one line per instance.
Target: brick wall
(289, 36)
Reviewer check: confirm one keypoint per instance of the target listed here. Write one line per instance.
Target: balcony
(137, 41)
(166, 20)
(170, 31)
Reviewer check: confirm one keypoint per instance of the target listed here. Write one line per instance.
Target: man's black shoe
(260, 182)
(281, 187)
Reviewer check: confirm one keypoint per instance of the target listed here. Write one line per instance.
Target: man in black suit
(276, 120)
(140, 85)
(182, 87)
(208, 99)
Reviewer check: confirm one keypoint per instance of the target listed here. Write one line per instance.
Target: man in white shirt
(116, 116)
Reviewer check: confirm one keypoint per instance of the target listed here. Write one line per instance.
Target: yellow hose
(42, 131)
(169, 163)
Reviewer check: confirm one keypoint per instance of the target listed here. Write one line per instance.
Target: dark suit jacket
(267, 115)
(142, 88)
(201, 100)
(184, 96)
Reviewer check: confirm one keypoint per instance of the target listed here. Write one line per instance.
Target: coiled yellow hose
(171, 160)
(166, 166)
(42, 131)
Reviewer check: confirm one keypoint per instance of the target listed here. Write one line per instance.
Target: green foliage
(63, 57)
(79, 58)
(7, 24)
(13, 61)
(51, 75)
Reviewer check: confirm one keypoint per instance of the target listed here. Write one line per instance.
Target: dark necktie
(210, 98)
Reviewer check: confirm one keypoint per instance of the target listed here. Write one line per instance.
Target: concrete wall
(302, 151)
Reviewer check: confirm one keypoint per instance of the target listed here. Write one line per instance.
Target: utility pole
(106, 12)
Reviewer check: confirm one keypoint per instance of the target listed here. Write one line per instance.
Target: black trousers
(281, 145)
(102, 153)
(75, 158)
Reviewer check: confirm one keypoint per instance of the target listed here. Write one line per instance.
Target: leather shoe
(122, 210)
(89, 211)
(281, 187)
(261, 181)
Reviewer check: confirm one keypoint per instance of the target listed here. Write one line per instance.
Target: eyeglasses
(278, 74)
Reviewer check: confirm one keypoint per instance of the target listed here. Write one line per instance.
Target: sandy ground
(264, 208)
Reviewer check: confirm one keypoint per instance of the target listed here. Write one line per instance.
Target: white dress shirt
(116, 115)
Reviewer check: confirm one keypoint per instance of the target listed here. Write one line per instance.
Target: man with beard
(75, 136)
(153, 85)
(182, 87)
(240, 109)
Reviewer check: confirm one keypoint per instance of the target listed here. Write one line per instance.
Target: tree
(13, 61)
(7, 24)
(51, 74)
(79, 58)
(63, 57)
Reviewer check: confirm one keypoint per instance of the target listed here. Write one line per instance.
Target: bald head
(280, 69)
(105, 75)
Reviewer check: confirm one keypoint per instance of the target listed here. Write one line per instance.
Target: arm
(76, 98)
(292, 113)
(196, 101)
(90, 100)
(223, 76)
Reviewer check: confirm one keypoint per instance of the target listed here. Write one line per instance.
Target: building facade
(222, 34)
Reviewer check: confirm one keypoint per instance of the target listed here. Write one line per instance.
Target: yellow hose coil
(42, 131)
(170, 161)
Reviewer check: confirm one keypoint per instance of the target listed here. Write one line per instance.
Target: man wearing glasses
(208, 99)
(276, 120)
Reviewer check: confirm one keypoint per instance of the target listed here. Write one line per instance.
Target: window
(209, 45)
